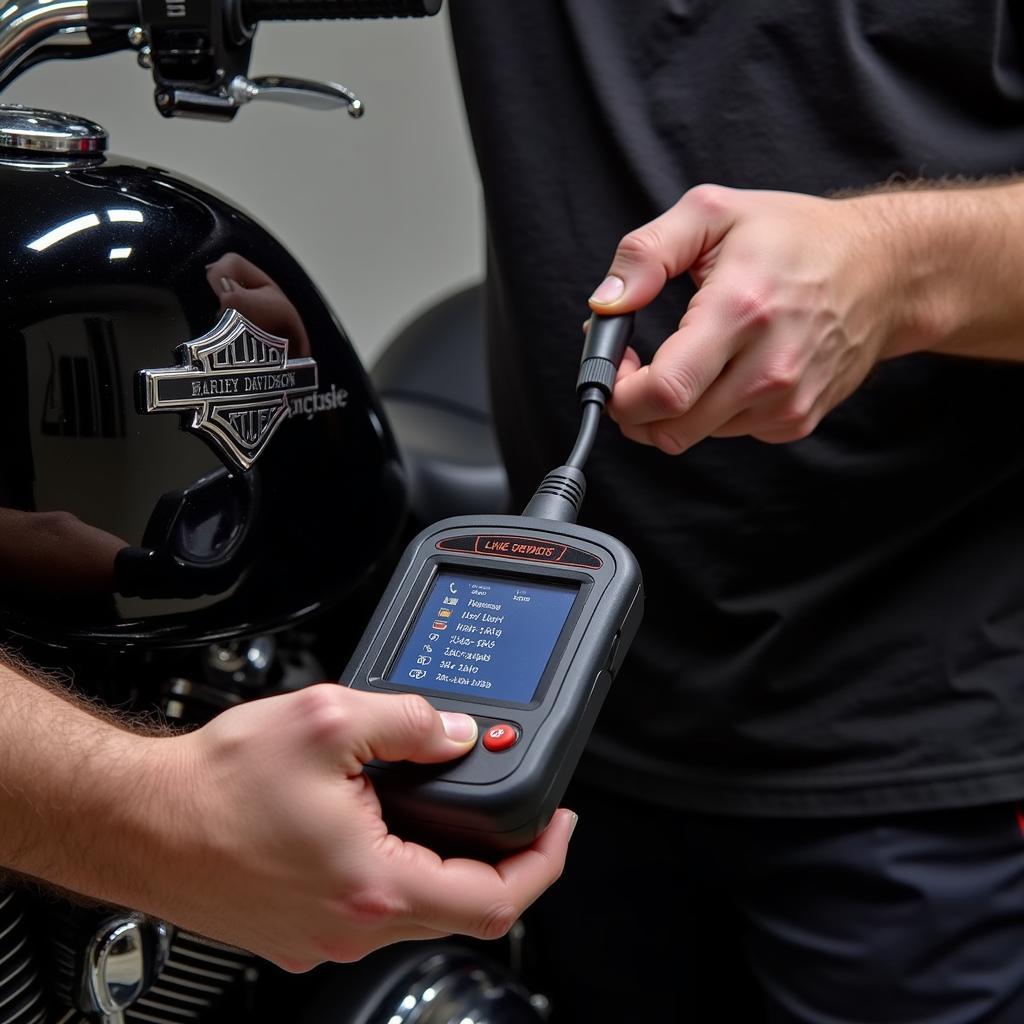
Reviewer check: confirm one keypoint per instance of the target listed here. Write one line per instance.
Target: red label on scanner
(530, 549)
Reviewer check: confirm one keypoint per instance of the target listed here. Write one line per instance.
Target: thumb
(405, 727)
(664, 248)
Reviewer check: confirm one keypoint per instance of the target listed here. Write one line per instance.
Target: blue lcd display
(483, 636)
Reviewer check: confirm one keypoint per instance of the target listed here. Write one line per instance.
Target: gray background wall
(384, 212)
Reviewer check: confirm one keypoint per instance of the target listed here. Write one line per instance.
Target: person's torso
(841, 613)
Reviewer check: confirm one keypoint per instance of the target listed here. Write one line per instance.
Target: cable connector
(561, 492)
(559, 496)
(606, 343)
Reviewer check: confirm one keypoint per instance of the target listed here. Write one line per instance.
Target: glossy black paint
(120, 529)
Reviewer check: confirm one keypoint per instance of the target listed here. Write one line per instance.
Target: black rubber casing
(492, 803)
(302, 10)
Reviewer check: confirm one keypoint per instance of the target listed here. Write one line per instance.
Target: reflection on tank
(84, 389)
(197, 539)
(82, 428)
(239, 284)
(193, 546)
(55, 552)
(194, 536)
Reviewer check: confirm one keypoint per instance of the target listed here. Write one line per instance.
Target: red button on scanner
(501, 737)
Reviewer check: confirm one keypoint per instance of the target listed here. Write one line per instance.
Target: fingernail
(460, 728)
(226, 284)
(609, 290)
(575, 821)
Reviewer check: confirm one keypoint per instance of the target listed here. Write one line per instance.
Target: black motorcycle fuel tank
(191, 448)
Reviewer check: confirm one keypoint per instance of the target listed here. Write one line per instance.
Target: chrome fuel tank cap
(43, 133)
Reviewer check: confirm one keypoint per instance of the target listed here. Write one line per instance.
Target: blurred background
(383, 212)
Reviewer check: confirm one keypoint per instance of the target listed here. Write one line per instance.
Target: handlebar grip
(310, 10)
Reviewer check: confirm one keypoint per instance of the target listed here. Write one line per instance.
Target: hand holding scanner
(520, 621)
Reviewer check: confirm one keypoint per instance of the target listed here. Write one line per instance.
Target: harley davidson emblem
(236, 384)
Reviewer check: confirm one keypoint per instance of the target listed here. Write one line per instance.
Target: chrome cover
(460, 987)
(122, 961)
(45, 131)
(193, 981)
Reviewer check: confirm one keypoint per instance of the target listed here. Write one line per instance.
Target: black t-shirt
(835, 625)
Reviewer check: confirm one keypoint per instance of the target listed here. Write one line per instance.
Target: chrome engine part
(460, 986)
(22, 996)
(195, 982)
(445, 982)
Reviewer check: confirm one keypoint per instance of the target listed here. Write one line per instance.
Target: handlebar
(254, 11)
(198, 52)
(24, 27)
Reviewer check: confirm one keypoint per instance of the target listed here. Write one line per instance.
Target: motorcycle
(201, 490)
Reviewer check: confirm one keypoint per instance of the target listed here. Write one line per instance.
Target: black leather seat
(432, 380)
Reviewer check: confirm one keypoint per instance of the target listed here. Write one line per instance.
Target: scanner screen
(486, 637)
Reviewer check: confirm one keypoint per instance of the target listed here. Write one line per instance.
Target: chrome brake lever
(297, 92)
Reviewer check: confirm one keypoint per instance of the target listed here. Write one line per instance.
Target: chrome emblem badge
(237, 384)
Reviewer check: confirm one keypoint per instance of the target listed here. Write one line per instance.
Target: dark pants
(665, 917)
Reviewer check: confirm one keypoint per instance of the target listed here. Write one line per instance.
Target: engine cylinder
(22, 996)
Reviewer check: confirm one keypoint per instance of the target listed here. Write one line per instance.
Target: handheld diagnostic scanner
(520, 621)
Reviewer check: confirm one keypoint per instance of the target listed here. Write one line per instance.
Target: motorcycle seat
(432, 381)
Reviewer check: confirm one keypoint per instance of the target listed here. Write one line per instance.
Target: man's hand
(289, 855)
(798, 297)
(259, 829)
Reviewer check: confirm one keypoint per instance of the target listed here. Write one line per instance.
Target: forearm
(76, 794)
(956, 256)
(259, 829)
